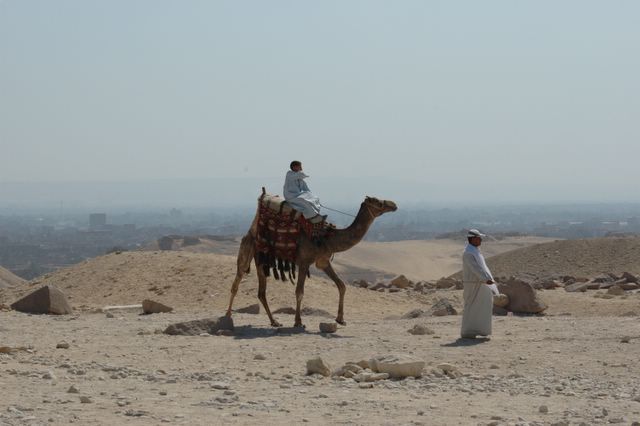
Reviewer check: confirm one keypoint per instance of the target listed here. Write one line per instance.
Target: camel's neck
(344, 239)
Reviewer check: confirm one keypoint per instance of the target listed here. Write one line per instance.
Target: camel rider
(299, 196)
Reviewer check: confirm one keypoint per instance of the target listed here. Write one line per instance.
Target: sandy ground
(578, 362)
(576, 367)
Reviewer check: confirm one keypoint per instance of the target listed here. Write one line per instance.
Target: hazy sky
(498, 100)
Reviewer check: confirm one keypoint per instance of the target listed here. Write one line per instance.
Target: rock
(420, 330)
(45, 300)
(575, 287)
(547, 284)
(318, 366)
(446, 282)
(628, 286)
(251, 309)
(443, 307)
(543, 409)
(616, 291)
(361, 283)
(522, 297)
(73, 389)
(379, 286)
(62, 345)
(416, 313)
(629, 277)
(500, 300)
(370, 377)
(152, 307)
(49, 375)
(602, 279)
(328, 327)
(449, 369)
(397, 366)
(196, 327)
(85, 400)
(625, 339)
(401, 282)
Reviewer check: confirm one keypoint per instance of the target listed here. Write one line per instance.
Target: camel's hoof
(276, 324)
(341, 322)
(300, 325)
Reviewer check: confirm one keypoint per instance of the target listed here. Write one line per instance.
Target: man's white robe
(478, 297)
(299, 196)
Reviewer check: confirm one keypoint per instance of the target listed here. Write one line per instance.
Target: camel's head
(379, 207)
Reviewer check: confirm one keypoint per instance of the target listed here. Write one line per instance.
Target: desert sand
(575, 364)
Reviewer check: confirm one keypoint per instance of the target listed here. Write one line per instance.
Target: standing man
(478, 295)
(299, 196)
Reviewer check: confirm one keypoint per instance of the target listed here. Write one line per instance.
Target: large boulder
(45, 300)
(198, 327)
(153, 307)
(401, 282)
(397, 366)
(522, 297)
(318, 366)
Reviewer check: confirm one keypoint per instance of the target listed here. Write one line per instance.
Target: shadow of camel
(250, 332)
(462, 342)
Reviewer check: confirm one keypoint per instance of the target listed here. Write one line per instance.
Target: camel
(308, 253)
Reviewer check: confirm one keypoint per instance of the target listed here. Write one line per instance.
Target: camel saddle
(279, 228)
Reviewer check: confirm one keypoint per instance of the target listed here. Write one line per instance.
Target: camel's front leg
(342, 288)
(245, 254)
(302, 276)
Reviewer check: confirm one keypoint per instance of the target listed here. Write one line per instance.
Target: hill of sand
(9, 279)
(189, 281)
(579, 258)
(372, 261)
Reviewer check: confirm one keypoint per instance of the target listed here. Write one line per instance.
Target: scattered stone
(420, 330)
(397, 366)
(443, 307)
(85, 400)
(153, 307)
(577, 287)
(196, 327)
(370, 377)
(62, 345)
(45, 300)
(259, 357)
(500, 300)
(378, 287)
(543, 409)
(615, 290)
(401, 282)
(361, 283)
(365, 385)
(415, 313)
(251, 309)
(73, 389)
(328, 327)
(318, 366)
(446, 282)
(449, 370)
(49, 375)
(625, 339)
(522, 297)
(135, 413)
(629, 277)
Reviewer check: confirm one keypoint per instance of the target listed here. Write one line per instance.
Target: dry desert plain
(576, 364)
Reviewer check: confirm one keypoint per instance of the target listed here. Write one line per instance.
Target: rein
(337, 211)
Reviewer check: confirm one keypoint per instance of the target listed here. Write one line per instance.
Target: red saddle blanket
(279, 231)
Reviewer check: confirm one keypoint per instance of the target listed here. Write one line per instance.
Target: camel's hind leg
(262, 294)
(302, 276)
(245, 255)
(342, 288)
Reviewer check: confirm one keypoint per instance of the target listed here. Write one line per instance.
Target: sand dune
(9, 279)
(585, 258)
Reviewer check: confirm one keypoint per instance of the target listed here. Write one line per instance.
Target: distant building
(97, 220)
